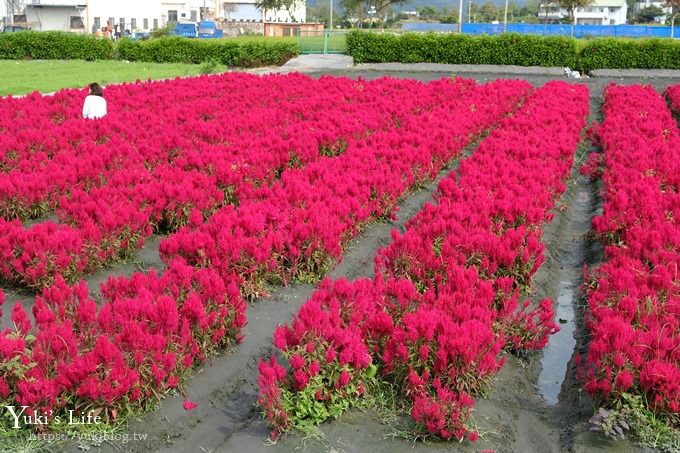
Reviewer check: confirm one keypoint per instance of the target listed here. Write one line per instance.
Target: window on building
(172, 15)
(97, 23)
(155, 24)
(77, 23)
(146, 24)
(19, 18)
(193, 15)
(122, 23)
(133, 24)
(111, 21)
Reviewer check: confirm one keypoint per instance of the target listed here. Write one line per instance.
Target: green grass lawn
(257, 38)
(23, 77)
(312, 42)
(315, 43)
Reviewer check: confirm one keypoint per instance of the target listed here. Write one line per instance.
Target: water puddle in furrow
(560, 348)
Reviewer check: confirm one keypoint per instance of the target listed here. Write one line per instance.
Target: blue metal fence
(580, 31)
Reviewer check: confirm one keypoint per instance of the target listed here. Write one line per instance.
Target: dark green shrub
(175, 49)
(54, 45)
(168, 49)
(620, 53)
(506, 49)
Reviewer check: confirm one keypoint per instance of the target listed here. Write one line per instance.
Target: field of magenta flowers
(255, 182)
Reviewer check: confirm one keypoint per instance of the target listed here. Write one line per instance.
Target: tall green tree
(647, 15)
(571, 5)
(277, 5)
(427, 12)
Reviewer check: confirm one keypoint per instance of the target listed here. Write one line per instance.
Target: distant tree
(530, 8)
(449, 18)
(571, 5)
(266, 6)
(320, 12)
(356, 11)
(514, 10)
(647, 15)
(488, 12)
(277, 5)
(427, 12)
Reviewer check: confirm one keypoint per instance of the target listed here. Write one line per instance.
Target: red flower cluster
(156, 162)
(673, 95)
(149, 330)
(277, 194)
(446, 296)
(298, 227)
(634, 297)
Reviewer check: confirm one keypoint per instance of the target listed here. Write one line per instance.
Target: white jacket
(94, 107)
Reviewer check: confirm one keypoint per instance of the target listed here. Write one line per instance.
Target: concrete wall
(288, 29)
(236, 28)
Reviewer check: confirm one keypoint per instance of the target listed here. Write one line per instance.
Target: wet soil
(535, 404)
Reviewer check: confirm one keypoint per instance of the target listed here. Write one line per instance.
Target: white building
(133, 15)
(600, 12)
(88, 16)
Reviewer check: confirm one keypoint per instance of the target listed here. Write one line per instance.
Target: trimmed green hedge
(174, 49)
(506, 49)
(53, 45)
(514, 49)
(620, 53)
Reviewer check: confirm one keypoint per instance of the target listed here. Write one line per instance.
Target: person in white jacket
(95, 104)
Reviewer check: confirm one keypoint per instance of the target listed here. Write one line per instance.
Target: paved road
(342, 65)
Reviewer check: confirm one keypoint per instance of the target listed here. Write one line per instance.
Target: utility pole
(505, 17)
(330, 22)
(460, 16)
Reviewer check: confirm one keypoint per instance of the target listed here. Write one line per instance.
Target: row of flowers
(634, 296)
(118, 360)
(673, 95)
(297, 228)
(149, 329)
(447, 294)
(154, 161)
